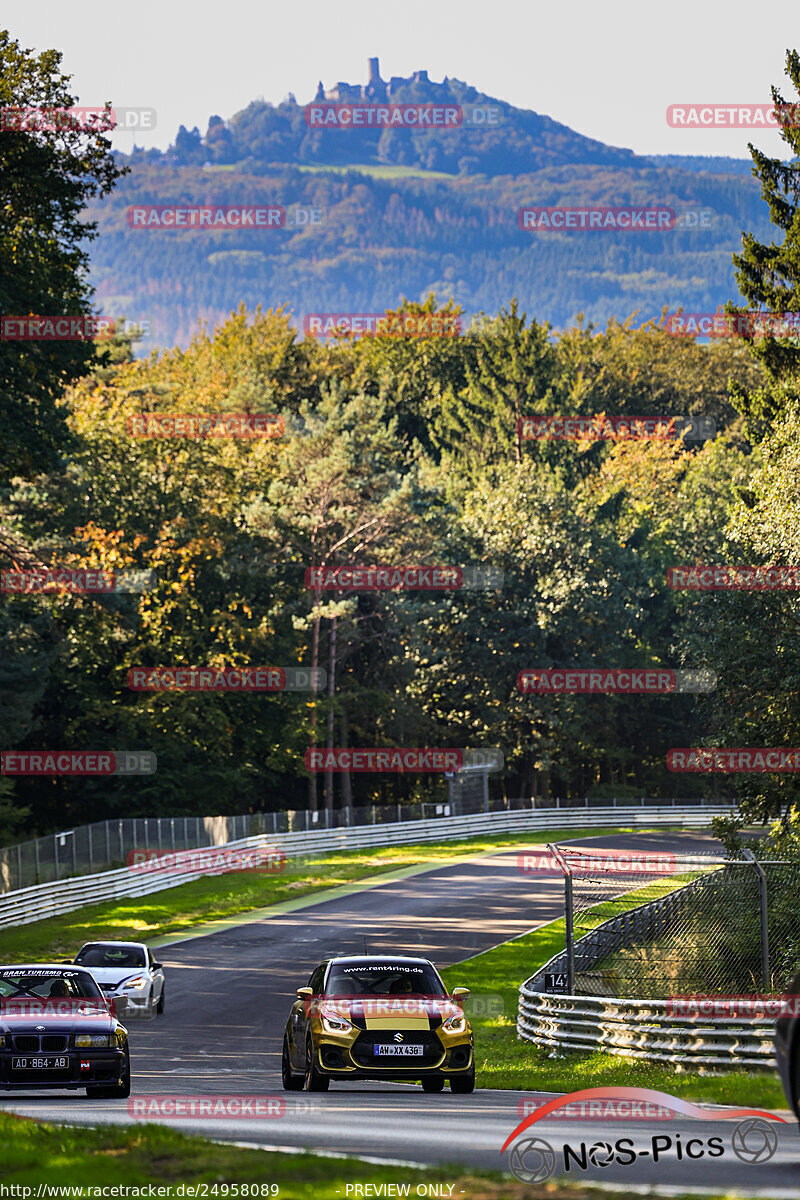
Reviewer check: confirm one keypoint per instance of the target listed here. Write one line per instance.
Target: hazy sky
(609, 70)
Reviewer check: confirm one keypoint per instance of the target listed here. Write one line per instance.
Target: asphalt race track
(229, 992)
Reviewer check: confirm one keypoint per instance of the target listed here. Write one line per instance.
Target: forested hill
(410, 213)
(497, 139)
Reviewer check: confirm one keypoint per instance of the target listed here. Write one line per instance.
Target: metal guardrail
(642, 1029)
(105, 845)
(634, 1028)
(30, 904)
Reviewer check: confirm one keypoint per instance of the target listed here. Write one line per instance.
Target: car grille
(363, 1050)
(33, 1044)
(53, 1042)
(26, 1043)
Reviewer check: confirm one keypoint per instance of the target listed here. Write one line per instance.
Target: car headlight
(97, 1040)
(335, 1024)
(138, 983)
(455, 1024)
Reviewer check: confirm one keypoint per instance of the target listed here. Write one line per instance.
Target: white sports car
(128, 974)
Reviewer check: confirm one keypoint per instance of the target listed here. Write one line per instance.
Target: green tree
(346, 493)
(514, 373)
(415, 376)
(768, 275)
(643, 371)
(754, 636)
(46, 180)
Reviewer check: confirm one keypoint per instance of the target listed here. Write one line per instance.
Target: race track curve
(229, 993)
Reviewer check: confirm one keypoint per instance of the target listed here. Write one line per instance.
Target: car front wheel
(463, 1084)
(432, 1084)
(162, 999)
(314, 1082)
(290, 1081)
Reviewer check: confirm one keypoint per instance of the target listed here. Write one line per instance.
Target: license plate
(381, 1050)
(39, 1064)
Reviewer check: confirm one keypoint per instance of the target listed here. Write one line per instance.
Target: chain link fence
(105, 845)
(702, 924)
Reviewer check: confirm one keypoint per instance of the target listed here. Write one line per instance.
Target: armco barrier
(642, 1029)
(105, 845)
(48, 899)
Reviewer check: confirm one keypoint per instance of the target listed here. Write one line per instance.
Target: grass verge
(180, 909)
(37, 1153)
(504, 1061)
(378, 171)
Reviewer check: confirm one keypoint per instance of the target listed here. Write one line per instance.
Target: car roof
(57, 968)
(104, 942)
(381, 958)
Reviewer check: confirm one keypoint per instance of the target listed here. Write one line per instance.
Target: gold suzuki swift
(378, 1017)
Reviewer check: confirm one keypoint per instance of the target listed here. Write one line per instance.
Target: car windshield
(384, 979)
(99, 955)
(47, 983)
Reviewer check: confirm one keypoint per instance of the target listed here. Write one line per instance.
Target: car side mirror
(305, 993)
(158, 966)
(67, 961)
(460, 994)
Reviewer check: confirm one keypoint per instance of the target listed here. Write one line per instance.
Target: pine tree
(514, 375)
(768, 276)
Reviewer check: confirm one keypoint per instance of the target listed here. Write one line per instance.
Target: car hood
(390, 1012)
(74, 1022)
(116, 974)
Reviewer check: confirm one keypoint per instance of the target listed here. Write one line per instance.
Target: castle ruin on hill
(376, 89)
